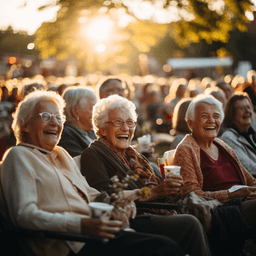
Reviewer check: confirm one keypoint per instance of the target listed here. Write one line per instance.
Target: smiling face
(243, 115)
(43, 134)
(119, 137)
(206, 124)
(113, 87)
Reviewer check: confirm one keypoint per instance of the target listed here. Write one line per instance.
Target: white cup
(100, 210)
(171, 169)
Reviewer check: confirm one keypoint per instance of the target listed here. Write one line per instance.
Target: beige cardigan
(187, 156)
(39, 188)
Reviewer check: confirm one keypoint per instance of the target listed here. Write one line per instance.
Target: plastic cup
(161, 166)
(100, 210)
(171, 170)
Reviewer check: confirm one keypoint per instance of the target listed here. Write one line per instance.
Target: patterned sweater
(187, 156)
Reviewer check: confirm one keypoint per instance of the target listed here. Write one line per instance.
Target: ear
(74, 112)
(103, 132)
(25, 128)
(190, 124)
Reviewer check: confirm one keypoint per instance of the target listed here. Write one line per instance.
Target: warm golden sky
(23, 14)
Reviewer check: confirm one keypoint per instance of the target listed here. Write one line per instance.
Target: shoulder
(17, 152)
(225, 146)
(229, 134)
(188, 142)
(88, 152)
(69, 130)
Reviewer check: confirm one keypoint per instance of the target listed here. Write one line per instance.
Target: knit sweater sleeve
(94, 170)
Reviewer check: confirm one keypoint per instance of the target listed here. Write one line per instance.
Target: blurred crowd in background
(161, 102)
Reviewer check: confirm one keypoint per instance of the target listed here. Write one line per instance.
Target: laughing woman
(241, 133)
(211, 167)
(114, 121)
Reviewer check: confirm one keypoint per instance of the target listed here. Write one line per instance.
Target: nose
(53, 120)
(125, 126)
(211, 119)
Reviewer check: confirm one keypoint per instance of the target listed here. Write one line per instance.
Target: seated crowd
(215, 146)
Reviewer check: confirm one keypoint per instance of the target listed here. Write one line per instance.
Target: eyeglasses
(119, 123)
(46, 117)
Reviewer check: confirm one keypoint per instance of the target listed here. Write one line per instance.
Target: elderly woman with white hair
(44, 190)
(77, 133)
(211, 167)
(208, 164)
(114, 121)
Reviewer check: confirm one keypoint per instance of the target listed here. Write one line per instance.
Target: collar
(76, 128)
(244, 134)
(42, 150)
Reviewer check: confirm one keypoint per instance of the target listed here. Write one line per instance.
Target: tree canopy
(134, 26)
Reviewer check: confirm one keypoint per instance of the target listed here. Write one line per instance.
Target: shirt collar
(42, 150)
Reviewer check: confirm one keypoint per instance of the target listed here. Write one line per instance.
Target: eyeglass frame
(63, 118)
(122, 123)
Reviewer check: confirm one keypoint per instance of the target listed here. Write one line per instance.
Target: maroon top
(221, 174)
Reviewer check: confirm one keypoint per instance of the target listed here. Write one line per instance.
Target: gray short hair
(102, 108)
(72, 97)
(209, 99)
(25, 110)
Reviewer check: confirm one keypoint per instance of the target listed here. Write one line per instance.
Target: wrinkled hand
(170, 186)
(124, 210)
(247, 193)
(100, 227)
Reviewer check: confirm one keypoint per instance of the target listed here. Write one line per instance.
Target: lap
(136, 244)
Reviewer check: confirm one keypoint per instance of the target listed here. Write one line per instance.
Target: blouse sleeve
(20, 190)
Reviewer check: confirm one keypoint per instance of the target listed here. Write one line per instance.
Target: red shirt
(221, 174)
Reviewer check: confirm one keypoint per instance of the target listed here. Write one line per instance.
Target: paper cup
(100, 210)
(171, 169)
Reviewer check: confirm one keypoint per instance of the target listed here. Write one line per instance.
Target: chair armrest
(58, 235)
(152, 205)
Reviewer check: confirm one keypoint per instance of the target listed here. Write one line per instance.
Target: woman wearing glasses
(241, 132)
(44, 189)
(114, 121)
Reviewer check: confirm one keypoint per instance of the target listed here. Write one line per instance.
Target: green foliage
(15, 42)
(208, 20)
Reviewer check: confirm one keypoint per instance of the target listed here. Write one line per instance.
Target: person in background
(26, 89)
(61, 88)
(226, 88)
(241, 133)
(251, 90)
(109, 86)
(44, 190)
(179, 124)
(78, 133)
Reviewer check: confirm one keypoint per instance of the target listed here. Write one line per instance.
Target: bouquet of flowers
(120, 196)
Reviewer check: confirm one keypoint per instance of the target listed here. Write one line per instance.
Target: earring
(78, 119)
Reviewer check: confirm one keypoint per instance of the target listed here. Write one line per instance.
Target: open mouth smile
(122, 137)
(210, 128)
(49, 132)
